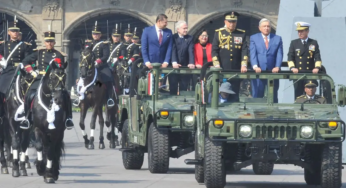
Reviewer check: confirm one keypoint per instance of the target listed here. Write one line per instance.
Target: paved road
(103, 169)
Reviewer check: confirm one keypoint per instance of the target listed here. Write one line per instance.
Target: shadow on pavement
(100, 181)
(80, 167)
(275, 172)
(80, 174)
(181, 171)
(267, 185)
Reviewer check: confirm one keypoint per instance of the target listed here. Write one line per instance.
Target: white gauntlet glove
(115, 60)
(34, 74)
(129, 62)
(3, 63)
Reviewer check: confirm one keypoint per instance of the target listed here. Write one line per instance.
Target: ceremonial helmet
(49, 36)
(12, 26)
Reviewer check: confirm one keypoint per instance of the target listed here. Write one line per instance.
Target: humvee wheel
(313, 158)
(261, 168)
(214, 167)
(158, 150)
(331, 166)
(199, 169)
(131, 160)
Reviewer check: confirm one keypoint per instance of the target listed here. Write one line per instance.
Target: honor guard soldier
(310, 97)
(101, 51)
(135, 40)
(12, 53)
(116, 50)
(229, 48)
(132, 50)
(42, 57)
(303, 55)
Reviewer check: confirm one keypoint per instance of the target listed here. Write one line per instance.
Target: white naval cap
(302, 25)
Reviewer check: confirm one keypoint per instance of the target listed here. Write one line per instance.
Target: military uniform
(132, 50)
(229, 48)
(116, 49)
(303, 55)
(43, 57)
(311, 100)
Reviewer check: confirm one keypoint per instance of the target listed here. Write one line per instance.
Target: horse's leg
(48, 174)
(101, 123)
(92, 126)
(25, 141)
(39, 148)
(4, 169)
(15, 135)
(83, 112)
(27, 161)
(56, 162)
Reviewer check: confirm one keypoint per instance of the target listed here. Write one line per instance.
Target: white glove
(115, 60)
(34, 74)
(95, 63)
(3, 63)
(129, 62)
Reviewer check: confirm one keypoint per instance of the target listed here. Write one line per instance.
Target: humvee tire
(214, 165)
(199, 169)
(313, 158)
(158, 150)
(331, 165)
(262, 168)
(131, 160)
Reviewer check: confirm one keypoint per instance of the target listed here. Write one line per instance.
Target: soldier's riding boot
(69, 123)
(25, 124)
(110, 101)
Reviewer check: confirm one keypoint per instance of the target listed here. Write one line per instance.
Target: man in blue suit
(157, 43)
(265, 54)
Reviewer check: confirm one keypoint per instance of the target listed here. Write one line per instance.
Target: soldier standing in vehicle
(12, 52)
(43, 56)
(310, 97)
(303, 55)
(229, 48)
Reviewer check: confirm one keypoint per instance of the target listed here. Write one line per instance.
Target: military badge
(238, 40)
(312, 47)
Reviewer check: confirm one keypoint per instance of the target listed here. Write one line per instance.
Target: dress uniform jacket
(305, 58)
(17, 56)
(101, 51)
(132, 50)
(317, 100)
(229, 49)
(42, 57)
(120, 51)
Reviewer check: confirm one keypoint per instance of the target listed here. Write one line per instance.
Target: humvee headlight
(189, 120)
(218, 123)
(245, 131)
(306, 131)
(333, 125)
(164, 114)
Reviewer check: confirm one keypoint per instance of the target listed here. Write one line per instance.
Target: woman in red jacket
(202, 49)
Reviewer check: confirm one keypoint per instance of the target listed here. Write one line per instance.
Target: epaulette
(88, 40)
(138, 44)
(222, 28)
(62, 53)
(38, 49)
(301, 96)
(240, 30)
(319, 96)
(27, 43)
(106, 42)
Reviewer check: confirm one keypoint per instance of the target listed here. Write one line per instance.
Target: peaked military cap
(302, 26)
(49, 36)
(12, 26)
(96, 29)
(311, 83)
(231, 16)
(128, 31)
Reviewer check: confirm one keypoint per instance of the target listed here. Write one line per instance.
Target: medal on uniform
(312, 47)
(238, 40)
(298, 52)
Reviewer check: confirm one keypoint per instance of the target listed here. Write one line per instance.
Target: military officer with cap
(310, 97)
(101, 50)
(135, 40)
(229, 48)
(12, 53)
(132, 50)
(42, 57)
(303, 55)
(116, 50)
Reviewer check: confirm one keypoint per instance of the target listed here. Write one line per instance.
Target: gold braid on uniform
(318, 64)
(244, 62)
(290, 64)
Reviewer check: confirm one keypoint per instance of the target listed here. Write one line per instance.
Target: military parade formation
(126, 78)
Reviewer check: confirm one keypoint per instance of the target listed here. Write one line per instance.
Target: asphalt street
(82, 168)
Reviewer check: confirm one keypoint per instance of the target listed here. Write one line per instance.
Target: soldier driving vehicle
(310, 96)
(229, 49)
(261, 133)
(303, 55)
(43, 58)
(12, 52)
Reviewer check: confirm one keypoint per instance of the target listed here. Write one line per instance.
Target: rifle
(107, 32)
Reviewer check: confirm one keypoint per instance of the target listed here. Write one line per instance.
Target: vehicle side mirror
(341, 95)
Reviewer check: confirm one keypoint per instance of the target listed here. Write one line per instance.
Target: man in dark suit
(303, 55)
(266, 54)
(157, 43)
(182, 55)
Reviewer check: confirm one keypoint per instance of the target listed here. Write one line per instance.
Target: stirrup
(76, 102)
(26, 122)
(69, 127)
(110, 103)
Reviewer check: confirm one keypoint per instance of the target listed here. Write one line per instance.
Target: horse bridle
(55, 88)
(84, 63)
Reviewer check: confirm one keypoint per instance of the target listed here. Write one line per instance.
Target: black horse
(95, 95)
(122, 69)
(53, 97)
(20, 137)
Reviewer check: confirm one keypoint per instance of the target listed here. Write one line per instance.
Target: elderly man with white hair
(265, 54)
(182, 56)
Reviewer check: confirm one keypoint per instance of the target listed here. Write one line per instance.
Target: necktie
(160, 36)
(266, 41)
(304, 42)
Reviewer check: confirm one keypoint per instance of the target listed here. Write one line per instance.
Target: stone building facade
(65, 16)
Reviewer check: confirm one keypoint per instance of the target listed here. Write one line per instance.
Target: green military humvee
(261, 133)
(154, 121)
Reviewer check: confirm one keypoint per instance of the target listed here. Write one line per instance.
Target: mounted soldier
(132, 50)
(44, 57)
(101, 50)
(115, 47)
(12, 52)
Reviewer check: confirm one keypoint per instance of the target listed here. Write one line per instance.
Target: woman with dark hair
(202, 50)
